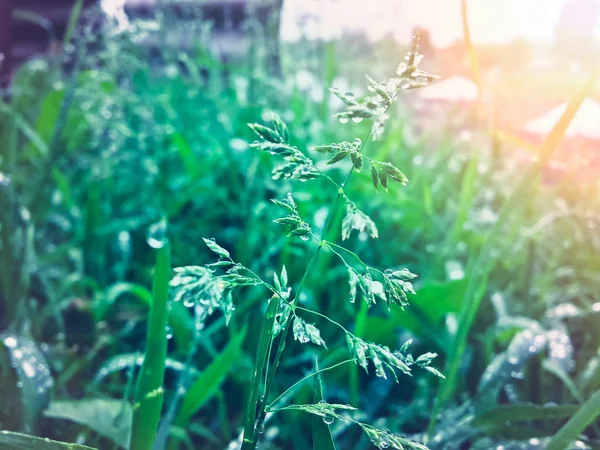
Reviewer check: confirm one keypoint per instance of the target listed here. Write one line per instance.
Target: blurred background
(117, 116)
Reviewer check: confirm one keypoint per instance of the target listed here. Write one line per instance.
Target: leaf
(107, 417)
(49, 114)
(322, 439)
(18, 441)
(264, 342)
(357, 161)
(394, 173)
(33, 375)
(126, 360)
(374, 176)
(286, 205)
(383, 180)
(266, 133)
(191, 162)
(209, 380)
(213, 246)
(281, 129)
(149, 390)
(522, 412)
(104, 301)
(337, 157)
(584, 416)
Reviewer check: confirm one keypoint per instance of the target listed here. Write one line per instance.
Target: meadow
(207, 254)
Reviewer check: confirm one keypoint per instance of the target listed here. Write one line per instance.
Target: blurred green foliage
(102, 142)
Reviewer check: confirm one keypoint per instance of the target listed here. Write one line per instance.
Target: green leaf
(266, 133)
(281, 129)
(322, 439)
(73, 21)
(584, 416)
(212, 245)
(357, 161)
(149, 389)
(105, 300)
(522, 412)
(374, 176)
(337, 157)
(209, 380)
(110, 418)
(394, 173)
(383, 180)
(191, 162)
(18, 441)
(33, 375)
(49, 113)
(262, 353)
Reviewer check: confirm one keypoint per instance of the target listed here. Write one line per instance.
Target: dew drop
(10, 342)
(156, 237)
(357, 119)
(343, 120)
(328, 420)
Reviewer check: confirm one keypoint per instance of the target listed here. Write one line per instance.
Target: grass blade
(262, 356)
(208, 382)
(149, 390)
(73, 20)
(322, 439)
(104, 416)
(18, 441)
(469, 44)
(588, 412)
(524, 411)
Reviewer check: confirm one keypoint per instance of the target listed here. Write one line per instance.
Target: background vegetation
(113, 144)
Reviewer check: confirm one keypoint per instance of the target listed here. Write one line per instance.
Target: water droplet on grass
(328, 420)
(157, 234)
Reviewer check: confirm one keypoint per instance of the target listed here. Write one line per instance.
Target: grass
(285, 339)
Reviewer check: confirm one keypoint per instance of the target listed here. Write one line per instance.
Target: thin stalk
(250, 442)
(7, 206)
(262, 354)
(310, 375)
(149, 390)
(73, 20)
(584, 416)
(323, 316)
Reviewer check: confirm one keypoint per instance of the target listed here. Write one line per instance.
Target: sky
(491, 21)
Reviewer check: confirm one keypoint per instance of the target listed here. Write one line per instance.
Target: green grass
(98, 157)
